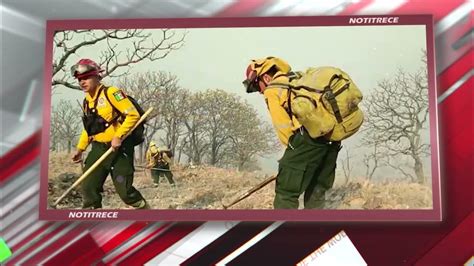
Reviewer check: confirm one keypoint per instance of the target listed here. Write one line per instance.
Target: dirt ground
(205, 187)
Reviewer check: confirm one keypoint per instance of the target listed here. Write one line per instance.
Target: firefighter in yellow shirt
(159, 163)
(108, 116)
(308, 165)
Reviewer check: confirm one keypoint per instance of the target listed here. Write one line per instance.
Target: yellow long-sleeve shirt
(151, 153)
(152, 157)
(276, 99)
(106, 111)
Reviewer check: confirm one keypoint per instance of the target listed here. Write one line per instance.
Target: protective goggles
(251, 84)
(81, 70)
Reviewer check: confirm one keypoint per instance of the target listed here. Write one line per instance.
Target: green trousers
(307, 166)
(156, 174)
(120, 166)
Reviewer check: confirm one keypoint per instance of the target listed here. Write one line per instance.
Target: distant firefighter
(159, 163)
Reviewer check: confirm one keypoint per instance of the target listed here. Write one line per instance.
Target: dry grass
(206, 187)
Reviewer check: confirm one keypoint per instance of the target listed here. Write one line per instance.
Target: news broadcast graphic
(339, 250)
(208, 138)
(33, 241)
(5, 251)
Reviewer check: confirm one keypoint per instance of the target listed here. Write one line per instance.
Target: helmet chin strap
(264, 82)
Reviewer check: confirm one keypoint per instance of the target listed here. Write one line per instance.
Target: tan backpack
(325, 102)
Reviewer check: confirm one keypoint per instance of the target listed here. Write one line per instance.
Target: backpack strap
(278, 85)
(294, 75)
(85, 106)
(113, 106)
(120, 114)
(345, 87)
(331, 96)
(97, 98)
(338, 77)
(85, 103)
(290, 111)
(309, 89)
(327, 92)
(87, 110)
(289, 88)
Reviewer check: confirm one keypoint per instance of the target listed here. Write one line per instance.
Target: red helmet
(85, 68)
(258, 67)
(251, 83)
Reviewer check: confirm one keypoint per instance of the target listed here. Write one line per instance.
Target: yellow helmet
(152, 144)
(258, 67)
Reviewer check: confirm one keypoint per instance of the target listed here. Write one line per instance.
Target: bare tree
(346, 166)
(217, 127)
(226, 130)
(120, 49)
(181, 148)
(214, 125)
(397, 114)
(148, 89)
(373, 160)
(54, 140)
(66, 123)
(402, 168)
(250, 137)
(195, 143)
(173, 115)
(219, 109)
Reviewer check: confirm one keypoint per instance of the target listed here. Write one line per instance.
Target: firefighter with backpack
(108, 115)
(159, 163)
(312, 112)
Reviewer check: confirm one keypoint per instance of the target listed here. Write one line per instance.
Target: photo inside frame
(209, 144)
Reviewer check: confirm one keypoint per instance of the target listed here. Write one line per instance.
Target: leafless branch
(124, 48)
(397, 112)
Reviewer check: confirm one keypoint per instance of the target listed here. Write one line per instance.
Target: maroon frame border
(431, 215)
